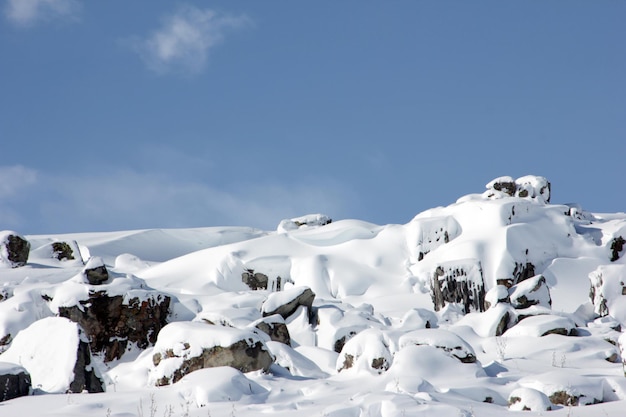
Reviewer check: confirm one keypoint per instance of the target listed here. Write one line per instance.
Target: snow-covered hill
(502, 301)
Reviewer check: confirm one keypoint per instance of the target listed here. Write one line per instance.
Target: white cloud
(185, 39)
(28, 12)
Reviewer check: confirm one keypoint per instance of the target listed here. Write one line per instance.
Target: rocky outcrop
(63, 251)
(184, 347)
(530, 186)
(617, 246)
(523, 271)
(458, 282)
(14, 381)
(255, 280)
(287, 302)
(112, 323)
(14, 249)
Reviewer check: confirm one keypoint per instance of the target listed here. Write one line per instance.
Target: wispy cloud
(183, 42)
(28, 12)
(121, 198)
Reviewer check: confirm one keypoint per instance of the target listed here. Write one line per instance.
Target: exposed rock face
(287, 302)
(62, 251)
(111, 323)
(459, 282)
(608, 286)
(85, 378)
(530, 186)
(275, 327)
(95, 271)
(256, 281)
(533, 291)
(523, 271)
(617, 246)
(184, 347)
(14, 249)
(14, 381)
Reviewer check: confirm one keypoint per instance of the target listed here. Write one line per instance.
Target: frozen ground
(373, 287)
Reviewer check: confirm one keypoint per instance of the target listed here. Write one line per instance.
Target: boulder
(55, 352)
(95, 272)
(184, 347)
(530, 186)
(528, 399)
(287, 302)
(367, 351)
(275, 327)
(63, 251)
(543, 325)
(617, 246)
(14, 249)
(459, 282)
(608, 289)
(533, 291)
(14, 381)
(566, 388)
(255, 280)
(503, 184)
(496, 295)
(452, 344)
(114, 321)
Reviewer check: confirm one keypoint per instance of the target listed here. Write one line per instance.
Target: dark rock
(617, 246)
(85, 377)
(256, 281)
(14, 381)
(302, 296)
(62, 251)
(458, 283)
(533, 291)
(17, 250)
(96, 275)
(507, 187)
(111, 324)
(239, 355)
(522, 272)
(341, 342)
(275, 328)
(503, 324)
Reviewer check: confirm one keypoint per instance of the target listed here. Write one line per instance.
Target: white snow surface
(372, 285)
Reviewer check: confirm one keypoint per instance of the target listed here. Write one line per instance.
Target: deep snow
(372, 286)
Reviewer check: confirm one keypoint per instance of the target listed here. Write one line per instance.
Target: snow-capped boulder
(14, 249)
(566, 388)
(296, 363)
(14, 381)
(55, 352)
(542, 325)
(184, 347)
(442, 339)
(368, 351)
(530, 186)
(493, 322)
(608, 291)
(498, 294)
(419, 318)
(309, 220)
(274, 326)
(458, 282)
(528, 399)
(95, 272)
(287, 302)
(113, 315)
(64, 251)
(530, 292)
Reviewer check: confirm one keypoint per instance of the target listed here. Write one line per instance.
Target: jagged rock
(459, 282)
(617, 246)
(522, 272)
(287, 302)
(367, 350)
(55, 352)
(275, 327)
(95, 271)
(184, 347)
(528, 399)
(255, 280)
(112, 323)
(442, 339)
(62, 251)
(533, 291)
(14, 249)
(14, 381)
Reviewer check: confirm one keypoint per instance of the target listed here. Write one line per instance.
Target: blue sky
(126, 115)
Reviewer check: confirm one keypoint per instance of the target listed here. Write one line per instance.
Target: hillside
(502, 301)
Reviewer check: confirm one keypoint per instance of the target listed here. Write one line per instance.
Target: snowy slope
(375, 342)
